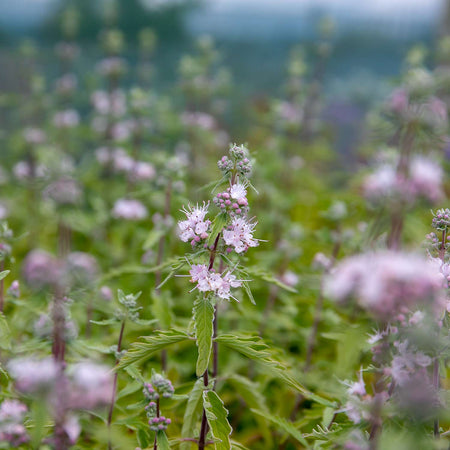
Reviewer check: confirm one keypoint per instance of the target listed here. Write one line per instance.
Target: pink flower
(68, 118)
(386, 282)
(129, 209)
(240, 235)
(195, 228)
(210, 281)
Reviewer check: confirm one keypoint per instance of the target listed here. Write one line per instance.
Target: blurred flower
(14, 289)
(109, 103)
(34, 136)
(41, 269)
(82, 267)
(66, 84)
(32, 375)
(12, 430)
(129, 209)
(198, 119)
(386, 282)
(65, 191)
(91, 385)
(106, 293)
(68, 118)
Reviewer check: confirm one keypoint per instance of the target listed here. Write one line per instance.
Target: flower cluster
(158, 387)
(239, 235)
(386, 283)
(12, 430)
(195, 228)
(210, 281)
(238, 161)
(424, 179)
(233, 200)
(441, 219)
(129, 209)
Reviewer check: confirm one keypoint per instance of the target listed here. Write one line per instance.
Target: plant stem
(204, 426)
(113, 397)
(397, 219)
(2, 286)
(155, 442)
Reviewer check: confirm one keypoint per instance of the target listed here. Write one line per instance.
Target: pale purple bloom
(386, 282)
(289, 278)
(113, 103)
(91, 385)
(14, 289)
(112, 66)
(426, 178)
(67, 50)
(198, 119)
(66, 84)
(12, 430)
(68, 118)
(240, 235)
(399, 101)
(22, 170)
(41, 269)
(82, 266)
(32, 375)
(72, 427)
(195, 227)
(129, 209)
(34, 136)
(65, 191)
(142, 171)
(106, 293)
(407, 362)
(210, 281)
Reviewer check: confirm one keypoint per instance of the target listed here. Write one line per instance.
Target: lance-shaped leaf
(192, 413)
(162, 441)
(203, 319)
(218, 224)
(5, 333)
(286, 426)
(255, 348)
(142, 350)
(217, 420)
(3, 274)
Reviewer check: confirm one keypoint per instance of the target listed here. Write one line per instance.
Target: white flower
(238, 191)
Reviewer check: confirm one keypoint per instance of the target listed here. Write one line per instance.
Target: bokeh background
(254, 37)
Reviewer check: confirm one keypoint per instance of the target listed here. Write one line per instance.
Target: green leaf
(217, 420)
(248, 390)
(134, 373)
(286, 426)
(248, 292)
(4, 274)
(203, 319)
(161, 309)
(5, 333)
(265, 276)
(105, 322)
(192, 413)
(132, 270)
(142, 350)
(163, 442)
(218, 224)
(255, 348)
(144, 322)
(129, 389)
(143, 438)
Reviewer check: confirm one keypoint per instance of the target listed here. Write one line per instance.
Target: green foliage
(286, 426)
(217, 417)
(192, 412)
(203, 319)
(141, 351)
(255, 348)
